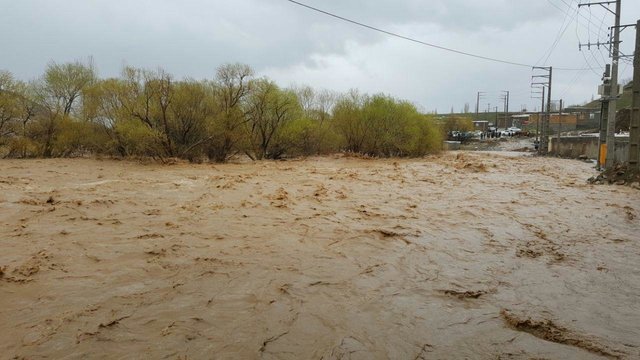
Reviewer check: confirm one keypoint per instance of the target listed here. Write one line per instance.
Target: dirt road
(473, 255)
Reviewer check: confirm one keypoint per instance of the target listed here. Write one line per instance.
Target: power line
(561, 31)
(589, 64)
(604, 60)
(579, 15)
(566, 12)
(572, 83)
(604, 16)
(591, 67)
(597, 39)
(417, 41)
(582, 16)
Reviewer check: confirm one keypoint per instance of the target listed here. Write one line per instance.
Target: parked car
(460, 136)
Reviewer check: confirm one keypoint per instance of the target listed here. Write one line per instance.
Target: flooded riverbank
(478, 255)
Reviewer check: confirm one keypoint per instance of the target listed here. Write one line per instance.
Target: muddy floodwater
(478, 256)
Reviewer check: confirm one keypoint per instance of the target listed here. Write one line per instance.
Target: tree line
(69, 111)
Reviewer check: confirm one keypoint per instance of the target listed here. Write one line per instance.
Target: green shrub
(137, 139)
(76, 138)
(69, 112)
(21, 147)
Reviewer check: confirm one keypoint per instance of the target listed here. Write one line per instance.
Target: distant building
(520, 120)
(564, 122)
(587, 117)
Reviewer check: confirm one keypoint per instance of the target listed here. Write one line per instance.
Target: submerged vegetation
(69, 111)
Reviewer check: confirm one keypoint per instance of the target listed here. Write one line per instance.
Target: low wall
(576, 146)
(451, 145)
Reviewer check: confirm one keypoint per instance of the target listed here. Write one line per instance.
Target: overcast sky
(294, 45)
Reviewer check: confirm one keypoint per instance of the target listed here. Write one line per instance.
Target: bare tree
(8, 104)
(191, 108)
(232, 86)
(270, 109)
(64, 83)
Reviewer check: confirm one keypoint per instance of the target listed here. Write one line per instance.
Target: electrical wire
(583, 16)
(558, 36)
(607, 45)
(604, 60)
(561, 31)
(578, 21)
(599, 33)
(626, 66)
(460, 52)
(566, 12)
(572, 83)
(589, 64)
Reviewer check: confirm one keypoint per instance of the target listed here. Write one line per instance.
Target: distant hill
(624, 102)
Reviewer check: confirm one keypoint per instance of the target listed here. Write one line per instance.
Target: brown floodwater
(464, 255)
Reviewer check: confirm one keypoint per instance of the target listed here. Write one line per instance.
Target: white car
(514, 130)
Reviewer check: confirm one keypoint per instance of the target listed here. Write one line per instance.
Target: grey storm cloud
(295, 45)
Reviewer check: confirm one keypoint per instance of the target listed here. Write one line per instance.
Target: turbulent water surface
(462, 255)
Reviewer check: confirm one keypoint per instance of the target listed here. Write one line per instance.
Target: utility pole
(544, 143)
(541, 96)
(507, 104)
(604, 116)
(488, 111)
(505, 99)
(544, 136)
(611, 125)
(634, 136)
(540, 118)
(610, 157)
(480, 93)
(559, 129)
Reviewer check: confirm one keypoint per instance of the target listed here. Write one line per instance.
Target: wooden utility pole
(634, 136)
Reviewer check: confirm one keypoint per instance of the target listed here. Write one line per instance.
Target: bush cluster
(69, 111)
